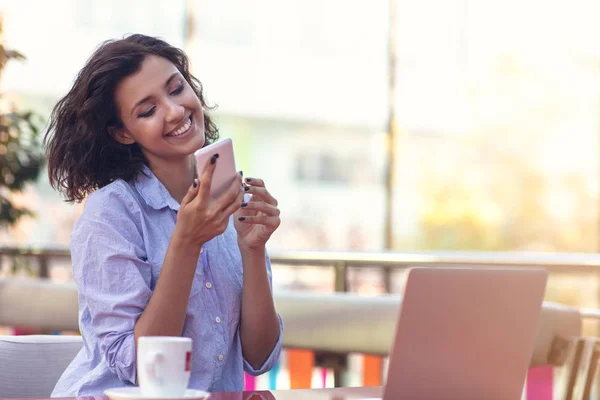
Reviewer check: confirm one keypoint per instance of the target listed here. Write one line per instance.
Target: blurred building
(497, 111)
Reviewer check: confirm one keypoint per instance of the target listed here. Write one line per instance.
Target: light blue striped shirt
(118, 246)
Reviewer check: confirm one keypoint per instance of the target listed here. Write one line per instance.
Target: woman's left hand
(257, 219)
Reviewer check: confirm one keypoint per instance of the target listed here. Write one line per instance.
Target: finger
(207, 176)
(261, 206)
(266, 220)
(190, 195)
(255, 182)
(230, 195)
(262, 193)
(236, 204)
(243, 211)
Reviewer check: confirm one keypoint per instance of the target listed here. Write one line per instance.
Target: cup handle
(152, 363)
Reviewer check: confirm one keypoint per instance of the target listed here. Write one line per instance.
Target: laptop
(465, 333)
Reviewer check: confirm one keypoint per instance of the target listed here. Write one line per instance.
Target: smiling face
(160, 112)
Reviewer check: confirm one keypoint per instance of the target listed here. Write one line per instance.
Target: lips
(181, 129)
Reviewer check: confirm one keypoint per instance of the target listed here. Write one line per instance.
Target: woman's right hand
(200, 217)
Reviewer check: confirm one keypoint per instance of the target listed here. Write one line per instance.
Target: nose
(175, 111)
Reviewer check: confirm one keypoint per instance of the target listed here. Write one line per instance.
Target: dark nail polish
(248, 179)
(195, 184)
(242, 218)
(244, 204)
(213, 159)
(242, 174)
(246, 188)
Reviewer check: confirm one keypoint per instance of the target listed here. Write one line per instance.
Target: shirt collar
(154, 193)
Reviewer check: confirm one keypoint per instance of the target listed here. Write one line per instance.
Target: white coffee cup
(164, 365)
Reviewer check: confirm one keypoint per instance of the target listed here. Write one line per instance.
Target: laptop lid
(465, 333)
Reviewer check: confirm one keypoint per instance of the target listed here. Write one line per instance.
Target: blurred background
(454, 125)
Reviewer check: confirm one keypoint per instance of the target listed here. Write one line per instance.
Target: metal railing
(556, 263)
(341, 261)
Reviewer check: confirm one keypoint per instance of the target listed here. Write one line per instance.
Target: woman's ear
(121, 135)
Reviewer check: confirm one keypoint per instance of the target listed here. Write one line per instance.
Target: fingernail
(244, 204)
(248, 179)
(242, 218)
(213, 159)
(246, 188)
(242, 174)
(195, 183)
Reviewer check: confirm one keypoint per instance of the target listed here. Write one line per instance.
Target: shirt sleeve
(274, 356)
(113, 278)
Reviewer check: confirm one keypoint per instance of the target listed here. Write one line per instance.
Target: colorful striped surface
(296, 370)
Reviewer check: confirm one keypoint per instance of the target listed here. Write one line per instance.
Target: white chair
(558, 325)
(31, 365)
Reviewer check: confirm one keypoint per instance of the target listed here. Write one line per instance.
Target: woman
(153, 254)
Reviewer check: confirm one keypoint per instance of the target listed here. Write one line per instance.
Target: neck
(176, 175)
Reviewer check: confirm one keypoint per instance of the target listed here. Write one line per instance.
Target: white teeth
(183, 129)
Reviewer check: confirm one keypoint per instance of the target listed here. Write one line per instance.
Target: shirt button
(220, 357)
(208, 285)
(218, 319)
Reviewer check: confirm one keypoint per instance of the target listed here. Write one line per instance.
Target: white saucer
(134, 393)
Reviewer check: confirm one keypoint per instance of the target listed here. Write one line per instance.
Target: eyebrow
(145, 99)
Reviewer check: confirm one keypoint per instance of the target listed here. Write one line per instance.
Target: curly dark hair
(82, 154)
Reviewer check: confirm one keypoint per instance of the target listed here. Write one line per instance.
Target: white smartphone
(225, 172)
